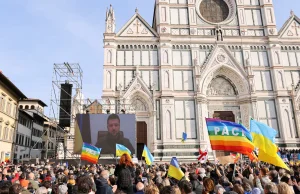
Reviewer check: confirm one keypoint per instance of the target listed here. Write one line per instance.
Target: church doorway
(141, 138)
(225, 116)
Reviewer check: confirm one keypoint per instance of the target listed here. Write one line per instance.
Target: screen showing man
(105, 131)
(113, 137)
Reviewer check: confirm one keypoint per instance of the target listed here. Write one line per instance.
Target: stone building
(203, 58)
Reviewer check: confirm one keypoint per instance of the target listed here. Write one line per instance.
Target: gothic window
(168, 125)
(215, 11)
(293, 119)
(109, 57)
(0, 131)
(166, 57)
(108, 80)
(277, 58)
(158, 131)
(167, 80)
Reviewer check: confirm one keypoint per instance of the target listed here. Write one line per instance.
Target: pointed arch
(109, 56)
(108, 80)
(233, 76)
(277, 59)
(166, 57)
(287, 122)
(168, 125)
(167, 79)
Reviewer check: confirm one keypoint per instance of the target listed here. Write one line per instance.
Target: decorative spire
(136, 10)
(110, 20)
(292, 13)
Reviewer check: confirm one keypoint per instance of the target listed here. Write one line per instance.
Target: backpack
(124, 178)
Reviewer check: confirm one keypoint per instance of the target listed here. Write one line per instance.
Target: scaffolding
(70, 73)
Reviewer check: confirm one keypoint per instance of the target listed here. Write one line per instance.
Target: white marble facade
(190, 63)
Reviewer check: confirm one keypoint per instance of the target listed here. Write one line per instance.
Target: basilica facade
(203, 59)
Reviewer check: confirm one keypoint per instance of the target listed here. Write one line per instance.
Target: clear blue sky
(35, 34)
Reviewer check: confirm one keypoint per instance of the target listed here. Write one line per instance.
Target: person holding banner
(113, 137)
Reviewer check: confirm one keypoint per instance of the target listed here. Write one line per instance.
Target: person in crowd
(102, 185)
(271, 188)
(284, 188)
(125, 173)
(139, 188)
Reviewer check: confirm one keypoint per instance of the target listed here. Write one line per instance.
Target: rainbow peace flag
(120, 150)
(90, 153)
(174, 170)
(148, 156)
(229, 136)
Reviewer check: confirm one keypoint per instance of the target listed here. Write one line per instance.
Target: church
(202, 59)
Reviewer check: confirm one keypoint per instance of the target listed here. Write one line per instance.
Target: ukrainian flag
(174, 170)
(264, 139)
(148, 156)
(184, 137)
(120, 150)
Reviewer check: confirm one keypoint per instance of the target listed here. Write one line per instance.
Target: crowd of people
(129, 178)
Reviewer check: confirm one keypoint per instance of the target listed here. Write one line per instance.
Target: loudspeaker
(65, 105)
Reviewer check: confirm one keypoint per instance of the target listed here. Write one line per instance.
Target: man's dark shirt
(108, 143)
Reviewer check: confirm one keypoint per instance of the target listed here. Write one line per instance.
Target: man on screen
(114, 136)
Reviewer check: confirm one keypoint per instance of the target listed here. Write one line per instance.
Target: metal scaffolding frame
(63, 73)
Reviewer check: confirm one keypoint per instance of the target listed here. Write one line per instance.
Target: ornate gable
(291, 28)
(137, 85)
(221, 55)
(137, 26)
(220, 62)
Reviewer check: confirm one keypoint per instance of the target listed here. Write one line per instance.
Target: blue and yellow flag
(184, 137)
(264, 139)
(148, 156)
(174, 170)
(120, 150)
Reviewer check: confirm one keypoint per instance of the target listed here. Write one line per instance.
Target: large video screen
(105, 131)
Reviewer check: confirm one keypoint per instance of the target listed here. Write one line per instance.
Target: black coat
(118, 169)
(102, 186)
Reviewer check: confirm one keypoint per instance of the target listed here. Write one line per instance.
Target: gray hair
(271, 188)
(105, 174)
(41, 190)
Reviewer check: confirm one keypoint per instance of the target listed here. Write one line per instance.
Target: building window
(292, 78)
(260, 58)
(21, 106)
(32, 107)
(178, 1)
(251, 2)
(185, 119)
(290, 58)
(253, 17)
(183, 80)
(137, 57)
(263, 80)
(183, 58)
(179, 16)
(3, 103)
(268, 114)
(26, 107)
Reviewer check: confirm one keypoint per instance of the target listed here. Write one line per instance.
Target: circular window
(215, 11)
